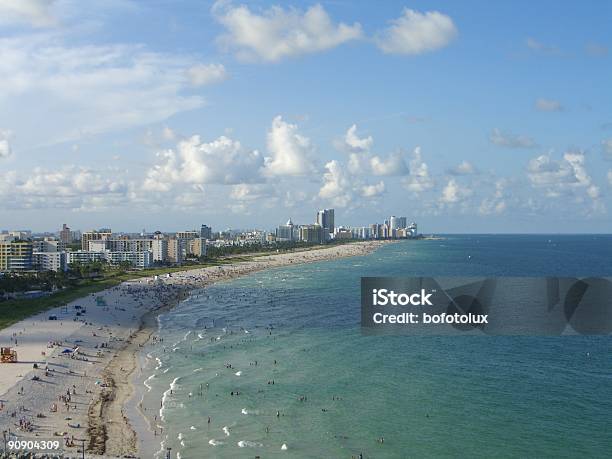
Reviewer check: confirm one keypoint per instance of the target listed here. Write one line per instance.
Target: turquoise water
(426, 396)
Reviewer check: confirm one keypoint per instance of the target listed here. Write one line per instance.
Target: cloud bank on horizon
(244, 115)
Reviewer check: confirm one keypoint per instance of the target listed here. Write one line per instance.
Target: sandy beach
(85, 362)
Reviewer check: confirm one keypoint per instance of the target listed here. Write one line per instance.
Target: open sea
(324, 390)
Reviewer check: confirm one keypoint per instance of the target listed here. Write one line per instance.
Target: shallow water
(427, 396)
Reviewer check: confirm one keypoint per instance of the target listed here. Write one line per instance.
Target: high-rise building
(83, 257)
(136, 259)
(396, 223)
(50, 261)
(24, 234)
(48, 245)
(160, 250)
(98, 246)
(102, 234)
(122, 244)
(312, 233)
(16, 255)
(65, 234)
(375, 231)
(362, 232)
(206, 232)
(325, 219)
(197, 247)
(187, 235)
(343, 233)
(176, 249)
(286, 232)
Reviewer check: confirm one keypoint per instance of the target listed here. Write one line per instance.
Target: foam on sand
(146, 383)
(165, 396)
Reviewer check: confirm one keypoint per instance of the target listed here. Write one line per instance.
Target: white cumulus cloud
(417, 33)
(337, 186)
(418, 179)
(370, 191)
(279, 32)
(291, 153)
(495, 204)
(221, 161)
(342, 189)
(69, 187)
(69, 181)
(394, 164)
(545, 171)
(358, 149)
(454, 193)
(567, 176)
(356, 144)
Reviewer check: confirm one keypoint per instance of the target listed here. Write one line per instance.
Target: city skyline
(66, 233)
(465, 118)
(25, 251)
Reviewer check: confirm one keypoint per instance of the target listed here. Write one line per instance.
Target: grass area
(13, 311)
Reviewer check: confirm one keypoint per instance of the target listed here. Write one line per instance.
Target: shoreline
(106, 412)
(109, 346)
(137, 414)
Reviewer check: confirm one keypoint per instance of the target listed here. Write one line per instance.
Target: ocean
(306, 383)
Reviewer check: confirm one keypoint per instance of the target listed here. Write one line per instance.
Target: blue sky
(464, 116)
